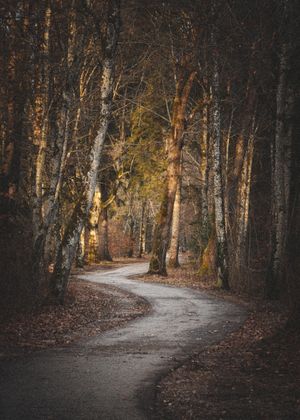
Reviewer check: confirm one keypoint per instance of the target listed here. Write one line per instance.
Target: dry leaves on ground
(89, 309)
(253, 374)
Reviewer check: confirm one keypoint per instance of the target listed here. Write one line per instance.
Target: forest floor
(253, 374)
(89, 309)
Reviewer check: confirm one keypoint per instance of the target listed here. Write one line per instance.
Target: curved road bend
(113, 375)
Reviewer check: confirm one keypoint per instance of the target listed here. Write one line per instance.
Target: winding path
(113, 375)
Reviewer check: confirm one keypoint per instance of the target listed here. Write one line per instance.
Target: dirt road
(113, 375)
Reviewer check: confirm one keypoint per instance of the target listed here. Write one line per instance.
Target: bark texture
(175, 232)
(68, 247)
(174, 147)
(281, 175)
(221, 239)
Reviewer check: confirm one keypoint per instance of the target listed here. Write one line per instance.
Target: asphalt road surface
(113, 375)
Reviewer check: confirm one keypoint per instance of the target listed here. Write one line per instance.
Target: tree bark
(281, 176)
(142, 231)
(68, 247)
(92, 228)
(243, 201)
(174, 146)
(175, 232)
(40, 124)
(131, 236)
(104, 254)
(204, 169)
(40, 128)
(221, 240)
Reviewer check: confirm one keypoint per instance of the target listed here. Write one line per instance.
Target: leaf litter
(254, 373)
(89, 309)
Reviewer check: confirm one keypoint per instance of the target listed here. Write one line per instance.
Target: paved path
(113, 375)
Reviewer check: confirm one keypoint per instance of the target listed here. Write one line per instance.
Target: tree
(175, 230)
(184, 72)
(59, 84)
(72, 233)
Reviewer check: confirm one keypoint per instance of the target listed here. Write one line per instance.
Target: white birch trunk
(221, 245)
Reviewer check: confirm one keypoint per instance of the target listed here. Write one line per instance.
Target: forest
(165, 130)
(116, 116)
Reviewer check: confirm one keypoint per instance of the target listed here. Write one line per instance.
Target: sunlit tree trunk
(174, 146)
(40, 122)
(40, 126)
(175, 231)
(243, 200)
(92, 230)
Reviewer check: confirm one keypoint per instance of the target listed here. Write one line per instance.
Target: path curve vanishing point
(112, 376)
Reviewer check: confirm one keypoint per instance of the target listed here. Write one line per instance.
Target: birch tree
(221, 238)
(68, 246)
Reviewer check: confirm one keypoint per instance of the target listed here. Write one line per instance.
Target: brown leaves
(254, 373)
(87, 306)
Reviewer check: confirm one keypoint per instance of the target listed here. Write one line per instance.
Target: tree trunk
(221, 241)
(205, 223)
(281, 177)
(40, 123)
(148, 234)
(68, 247)
(142, 232)
(243, 200)
(174, 146)
(104, 254)
(292, 268)
(56, 124)
(80, 257)
(40, 127)
(92, 239)
(131, 224)
(175, 232)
